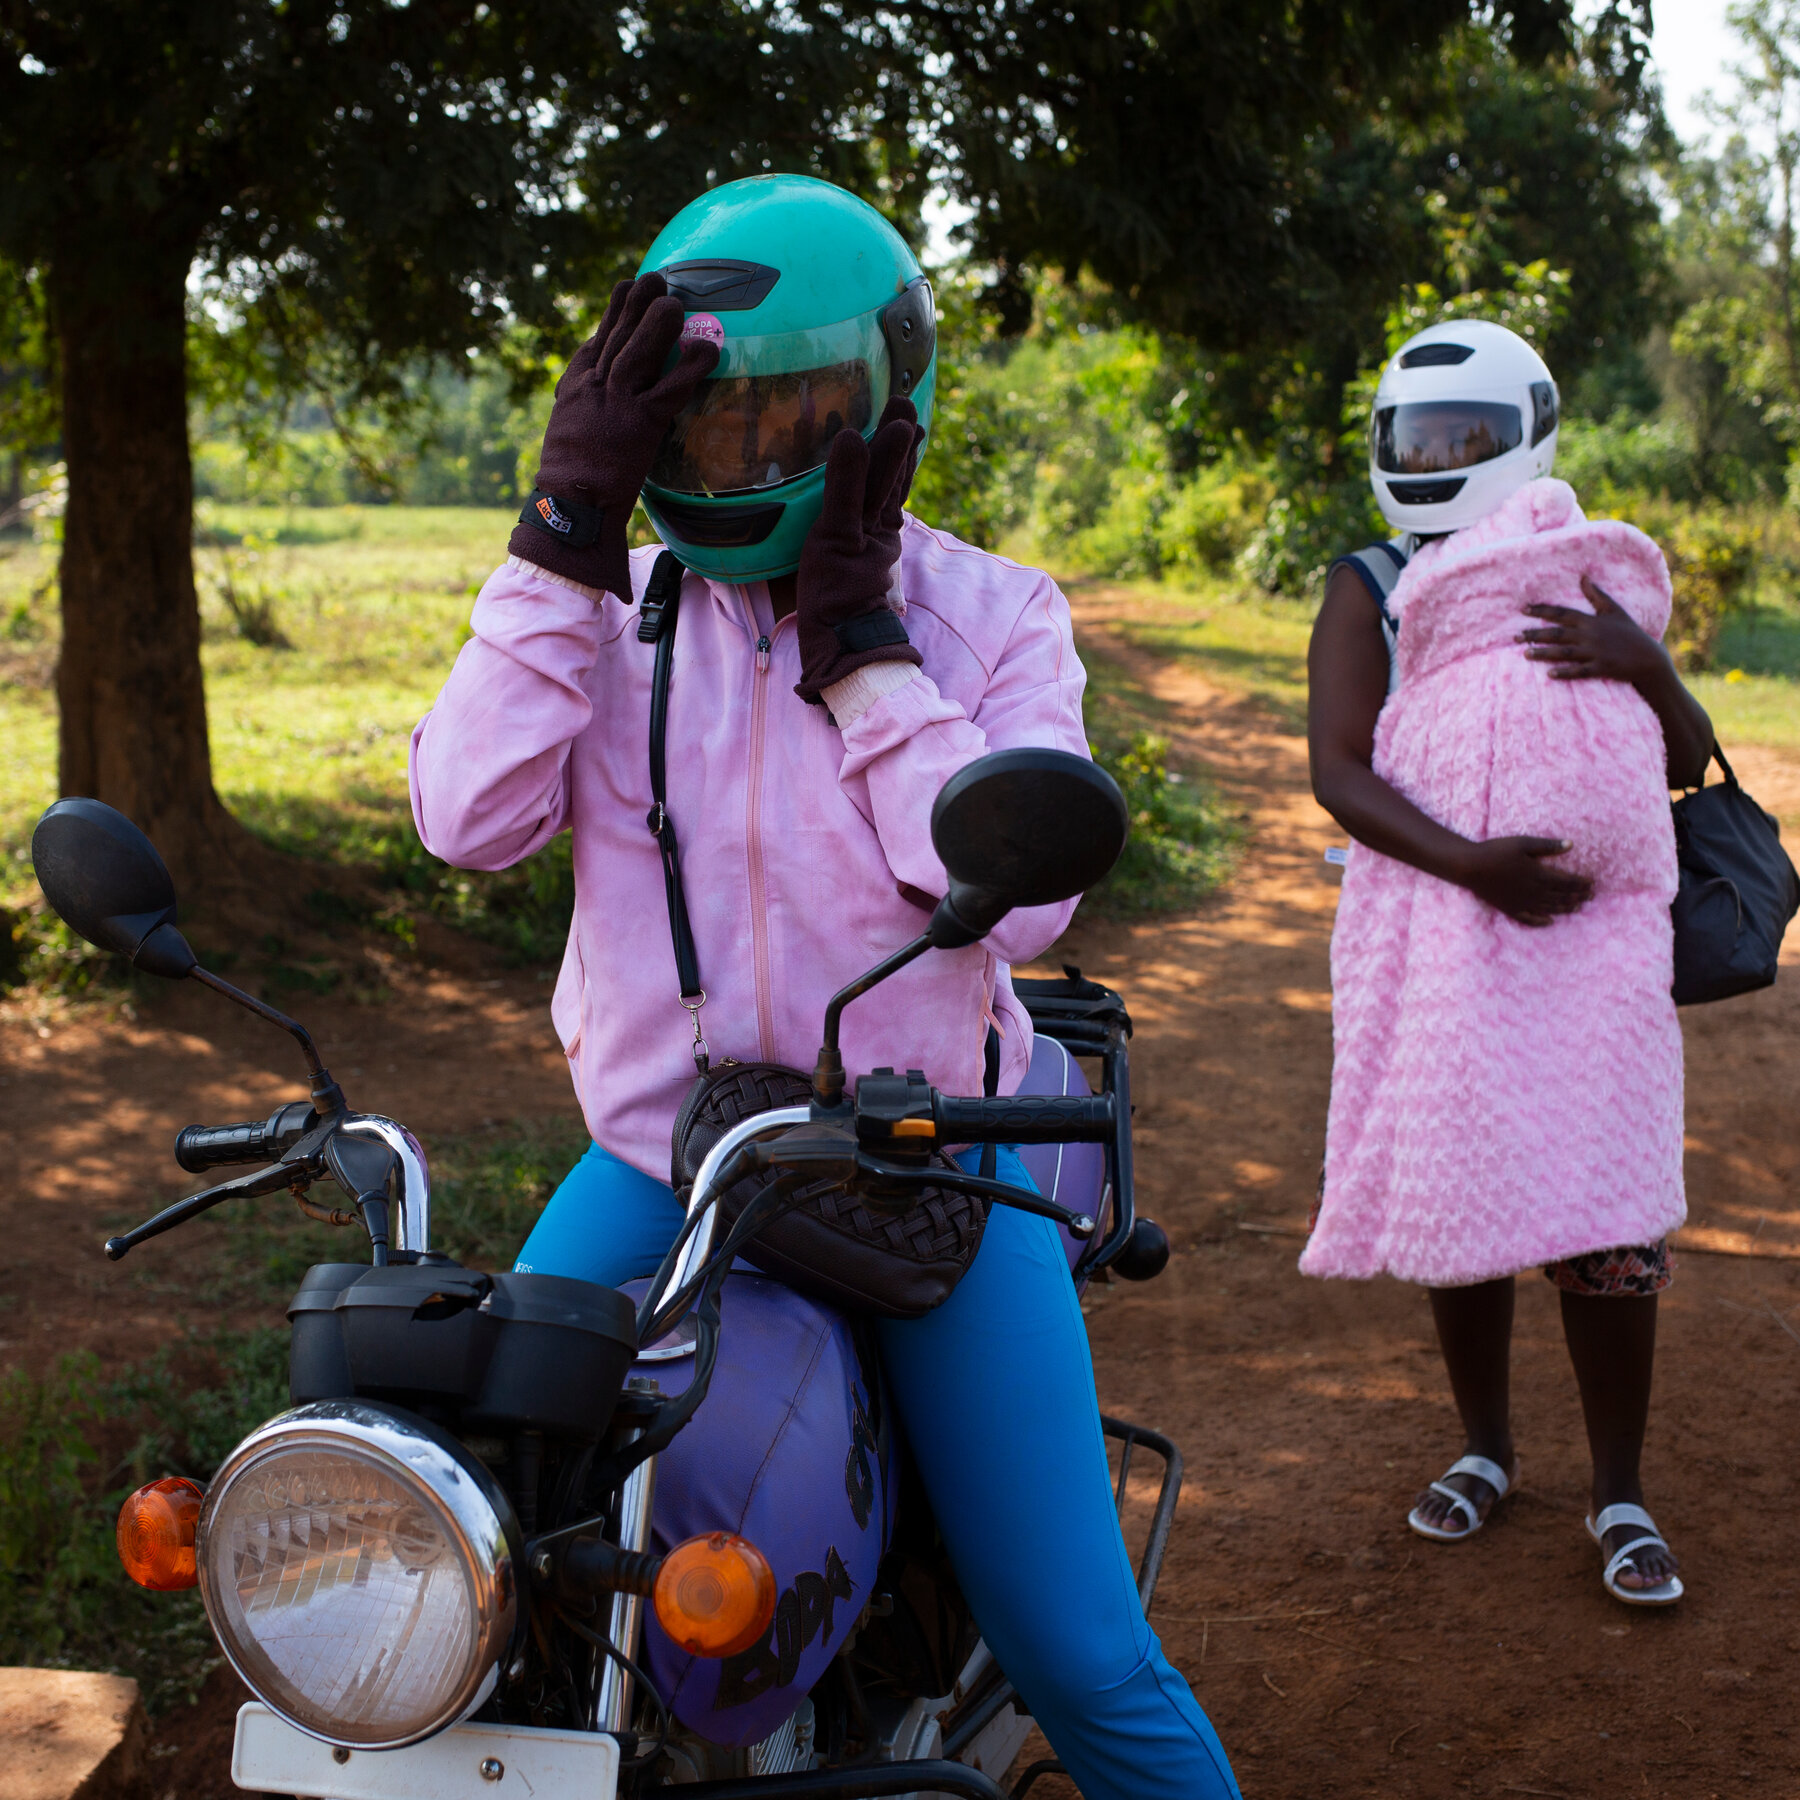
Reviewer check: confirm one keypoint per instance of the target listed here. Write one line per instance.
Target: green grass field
(309, 741)
(327, 633)
(360, 610)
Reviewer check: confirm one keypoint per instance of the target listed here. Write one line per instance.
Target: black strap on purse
(656, 625)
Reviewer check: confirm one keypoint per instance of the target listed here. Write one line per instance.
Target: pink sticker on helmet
(705, 328)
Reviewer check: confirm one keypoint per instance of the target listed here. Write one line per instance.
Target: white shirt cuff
(849, 699)
(581, 587)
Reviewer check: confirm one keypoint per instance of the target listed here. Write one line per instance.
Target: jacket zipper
(759, 907)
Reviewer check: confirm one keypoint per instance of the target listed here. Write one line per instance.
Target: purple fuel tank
(792, 1449)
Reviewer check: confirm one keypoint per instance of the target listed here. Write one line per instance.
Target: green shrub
(1211, 519)
(1714, 557)
(1181, 844)
(64, 1600)
(1303, 530)
(1610, 462)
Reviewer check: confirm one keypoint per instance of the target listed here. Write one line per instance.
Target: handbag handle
(1715, 755)
(661, 608)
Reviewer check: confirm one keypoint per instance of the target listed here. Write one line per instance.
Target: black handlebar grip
(1023, 1119)
(203, 1147)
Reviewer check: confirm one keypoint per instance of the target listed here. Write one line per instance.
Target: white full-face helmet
(1465, 415)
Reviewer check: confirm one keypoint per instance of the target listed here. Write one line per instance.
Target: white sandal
(1665, 1593)
(1483, 1470)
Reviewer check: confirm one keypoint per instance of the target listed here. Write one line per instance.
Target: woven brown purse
(833, 1243)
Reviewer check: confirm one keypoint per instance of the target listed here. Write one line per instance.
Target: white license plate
(467, 1762)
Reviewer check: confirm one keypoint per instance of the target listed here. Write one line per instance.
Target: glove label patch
(577, 525)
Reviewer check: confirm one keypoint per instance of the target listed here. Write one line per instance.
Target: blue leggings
(1015, 1465)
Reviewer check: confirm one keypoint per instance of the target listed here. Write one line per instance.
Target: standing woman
(1493, 719)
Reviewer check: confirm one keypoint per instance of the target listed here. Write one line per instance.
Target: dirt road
(1337, 1653)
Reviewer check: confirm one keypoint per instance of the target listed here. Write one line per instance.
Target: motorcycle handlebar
(1023, 1119)
(203, 1147)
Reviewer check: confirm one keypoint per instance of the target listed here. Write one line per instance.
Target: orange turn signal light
(156, 1534)
(715, 1595)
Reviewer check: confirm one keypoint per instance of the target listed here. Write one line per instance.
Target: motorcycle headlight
(357, 1566)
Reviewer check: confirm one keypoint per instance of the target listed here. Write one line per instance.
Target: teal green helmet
(821, 313)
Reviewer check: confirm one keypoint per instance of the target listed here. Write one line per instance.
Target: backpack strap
(656, 625)
(1378, 567)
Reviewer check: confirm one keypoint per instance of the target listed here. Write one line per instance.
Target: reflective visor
(744, 432)
(1431, 437)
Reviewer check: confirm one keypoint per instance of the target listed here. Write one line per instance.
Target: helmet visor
(744, 432)
(1432, 437)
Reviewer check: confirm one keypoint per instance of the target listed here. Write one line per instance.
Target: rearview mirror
(1024, 827)
(106, 881)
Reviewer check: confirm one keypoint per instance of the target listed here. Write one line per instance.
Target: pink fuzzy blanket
(1503, 1096)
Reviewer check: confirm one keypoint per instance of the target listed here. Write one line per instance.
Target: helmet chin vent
(1436, 356)
(1427, 493)
(733, 528)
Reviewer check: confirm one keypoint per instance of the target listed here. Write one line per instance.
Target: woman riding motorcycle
(837, 662)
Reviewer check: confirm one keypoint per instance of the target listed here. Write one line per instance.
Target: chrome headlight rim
(486, 1534)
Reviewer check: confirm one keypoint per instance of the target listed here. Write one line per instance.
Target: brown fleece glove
(613, 406)
(841, 615)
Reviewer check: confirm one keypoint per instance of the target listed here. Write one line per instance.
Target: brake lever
(842, 1158)
(1079, 1225)
(303, 1165)
(241, 1187)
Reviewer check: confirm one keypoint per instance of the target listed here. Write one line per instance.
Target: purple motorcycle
(524, 1533)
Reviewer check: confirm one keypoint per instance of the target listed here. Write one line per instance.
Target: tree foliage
(1241, 173)
(350, 187)
(1733, 354)
(340, 200)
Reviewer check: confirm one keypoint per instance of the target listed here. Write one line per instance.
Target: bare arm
(1347, 673)
(1609, 645)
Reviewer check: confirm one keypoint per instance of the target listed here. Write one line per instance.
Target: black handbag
(832, 1242)
(1738, 889)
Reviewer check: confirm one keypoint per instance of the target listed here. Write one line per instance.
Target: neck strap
(656, 625)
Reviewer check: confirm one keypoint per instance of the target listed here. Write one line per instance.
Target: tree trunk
(133, 705)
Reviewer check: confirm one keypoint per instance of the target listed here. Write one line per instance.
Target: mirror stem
(828, 1075)
(327, 1096)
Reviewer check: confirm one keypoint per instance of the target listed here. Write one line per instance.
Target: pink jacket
(800, 842)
